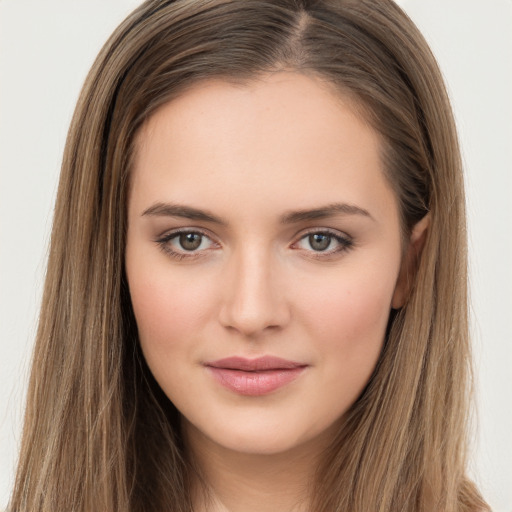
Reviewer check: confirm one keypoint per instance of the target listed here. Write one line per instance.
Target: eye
(185, 243)
(324, 242)
(319, 241)
(189, 241)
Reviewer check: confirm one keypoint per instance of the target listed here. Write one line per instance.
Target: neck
(229, 481)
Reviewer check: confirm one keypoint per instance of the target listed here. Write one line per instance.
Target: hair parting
(99, 434)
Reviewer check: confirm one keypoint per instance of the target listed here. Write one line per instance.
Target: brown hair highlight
(96, 420)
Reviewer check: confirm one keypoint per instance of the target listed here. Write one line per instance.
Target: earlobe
(410, 262)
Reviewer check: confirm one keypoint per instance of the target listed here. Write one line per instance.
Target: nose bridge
(253, 299)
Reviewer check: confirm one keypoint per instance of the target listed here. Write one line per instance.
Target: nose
(254, 299)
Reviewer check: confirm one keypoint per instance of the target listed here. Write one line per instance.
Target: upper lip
(254, 365)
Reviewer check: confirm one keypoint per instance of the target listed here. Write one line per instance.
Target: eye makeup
(192, 243)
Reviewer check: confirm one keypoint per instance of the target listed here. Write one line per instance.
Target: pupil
(319, 242)
(190, 241)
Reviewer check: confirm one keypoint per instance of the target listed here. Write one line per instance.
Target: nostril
(253, 298)
(250, 315)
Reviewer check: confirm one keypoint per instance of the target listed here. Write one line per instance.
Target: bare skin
(261, 225)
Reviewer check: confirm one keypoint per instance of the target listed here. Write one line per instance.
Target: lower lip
(255, 383)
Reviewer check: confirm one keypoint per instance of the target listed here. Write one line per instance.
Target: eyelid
(345, 241)
(170, 233)
(164, 239)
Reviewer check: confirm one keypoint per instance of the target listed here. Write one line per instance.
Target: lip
(255, 377)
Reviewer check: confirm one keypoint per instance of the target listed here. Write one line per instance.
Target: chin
(262, 439)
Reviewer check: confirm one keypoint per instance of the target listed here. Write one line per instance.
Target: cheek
(170, 312)
(348, 320)
(169, 308)
(351, 307)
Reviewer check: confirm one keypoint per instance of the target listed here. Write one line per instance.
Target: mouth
(254, 377)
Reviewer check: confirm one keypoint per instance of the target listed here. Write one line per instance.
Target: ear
(410, 262)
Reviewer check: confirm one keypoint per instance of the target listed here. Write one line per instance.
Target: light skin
(260, 222)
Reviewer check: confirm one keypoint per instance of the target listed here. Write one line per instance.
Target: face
(263, 259)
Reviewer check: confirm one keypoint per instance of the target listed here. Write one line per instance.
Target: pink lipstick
(254, 377)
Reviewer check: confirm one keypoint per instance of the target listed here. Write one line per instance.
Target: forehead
(285, 135)
(280, 101)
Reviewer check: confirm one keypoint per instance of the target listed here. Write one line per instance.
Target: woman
(255, 296)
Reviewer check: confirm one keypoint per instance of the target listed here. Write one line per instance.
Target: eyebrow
(186, 212)
(323, 212)
(291, 217)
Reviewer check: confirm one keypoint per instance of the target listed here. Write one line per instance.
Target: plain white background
(46, 49)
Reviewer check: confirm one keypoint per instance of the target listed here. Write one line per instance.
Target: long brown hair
(99, 434)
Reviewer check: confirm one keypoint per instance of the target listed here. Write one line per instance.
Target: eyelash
(163, 242)
(345, 243)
